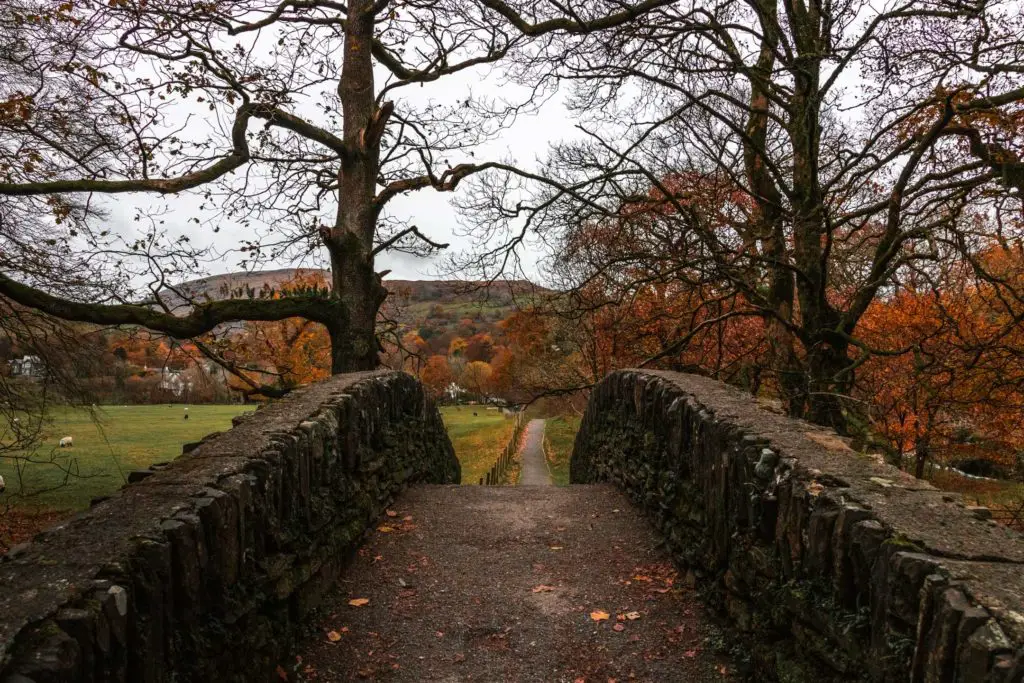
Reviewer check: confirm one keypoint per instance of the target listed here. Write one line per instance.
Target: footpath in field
(534, 464)
(526, 584)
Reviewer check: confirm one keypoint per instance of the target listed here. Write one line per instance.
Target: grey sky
(524, 143)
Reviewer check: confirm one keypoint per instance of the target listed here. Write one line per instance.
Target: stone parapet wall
(833, 565)
(205, 569)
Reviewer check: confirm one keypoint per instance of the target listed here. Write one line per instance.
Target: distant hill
(234, 285)
(438, 309)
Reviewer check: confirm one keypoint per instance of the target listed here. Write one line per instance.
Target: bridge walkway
(497, 584)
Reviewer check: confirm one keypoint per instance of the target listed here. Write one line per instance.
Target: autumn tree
(475, 378)
(436, 376)
(947, 378)
(839, 195)
(303, 130)
(480, 347)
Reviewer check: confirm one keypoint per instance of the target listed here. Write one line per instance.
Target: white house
(28, 366)
(173, 381)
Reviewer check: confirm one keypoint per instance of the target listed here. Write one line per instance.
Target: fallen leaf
(690, 654)
(385, 529)
(439, 634)
(333, 636)
(556, 547)
(618, 627)
(407, 518)
(459, 657)
(378, 558)
(542, 588)
(359, 602)
(632, 616)
(391, 513)
(599, 615)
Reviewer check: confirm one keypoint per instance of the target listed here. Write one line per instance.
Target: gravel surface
(511, 584)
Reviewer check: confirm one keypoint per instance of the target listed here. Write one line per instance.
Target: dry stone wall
(205, 569)
(833, 565)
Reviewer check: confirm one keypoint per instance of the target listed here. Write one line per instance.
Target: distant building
(172, 381)
(28, 366)
(454, 391)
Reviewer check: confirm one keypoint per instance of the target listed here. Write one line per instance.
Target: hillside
(438, 310)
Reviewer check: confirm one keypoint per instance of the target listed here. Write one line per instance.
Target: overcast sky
(526, 141)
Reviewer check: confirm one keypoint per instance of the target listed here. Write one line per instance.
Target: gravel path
(535, 467)
(499, 584)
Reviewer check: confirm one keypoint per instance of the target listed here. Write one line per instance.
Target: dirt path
(534, 464)
(503, 584)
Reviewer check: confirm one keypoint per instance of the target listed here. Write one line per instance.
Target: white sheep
(67, 442)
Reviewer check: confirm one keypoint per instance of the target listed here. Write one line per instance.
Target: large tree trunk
(829, 381)
(359, 289)
(770, 226)
(922, 451)
(350, 241)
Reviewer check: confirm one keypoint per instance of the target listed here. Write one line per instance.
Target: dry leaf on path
(391, 513)
(543, 588)
(632, 615)
(359, 602)
(333, 636)
(618, 627)
(599, 615)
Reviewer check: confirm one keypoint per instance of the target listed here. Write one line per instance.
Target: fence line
(496, 475)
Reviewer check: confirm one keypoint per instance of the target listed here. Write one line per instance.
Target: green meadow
(477, 439)
(109, 442)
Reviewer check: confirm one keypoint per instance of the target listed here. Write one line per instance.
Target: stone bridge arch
(834, 565)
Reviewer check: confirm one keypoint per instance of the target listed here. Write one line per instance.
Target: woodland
(817, 201)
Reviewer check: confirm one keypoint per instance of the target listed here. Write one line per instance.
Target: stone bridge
(321, 539)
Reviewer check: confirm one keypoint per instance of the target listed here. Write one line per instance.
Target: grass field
(478, 439)
(125, 438)
(121, 439)
(560, 432)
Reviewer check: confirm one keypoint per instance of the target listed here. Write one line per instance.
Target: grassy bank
(478, 439)
(118, 440)
(560, 432)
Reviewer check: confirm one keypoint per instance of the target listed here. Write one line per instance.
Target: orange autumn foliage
(286, 353)
(949, 381)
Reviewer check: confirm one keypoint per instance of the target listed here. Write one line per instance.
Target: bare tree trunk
(350, 242)
(922, 451)
(828, 382)
(771, 229)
